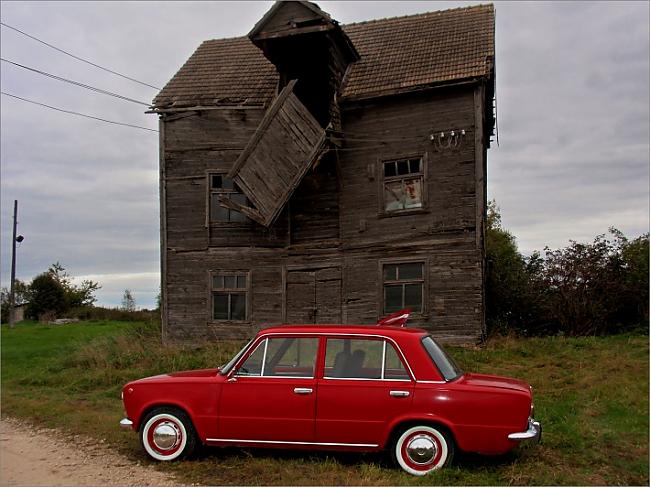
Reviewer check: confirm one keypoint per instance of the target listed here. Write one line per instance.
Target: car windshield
(444, 362)
(224, 369)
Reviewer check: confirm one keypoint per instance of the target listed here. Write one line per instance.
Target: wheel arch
(402, 424)
(163, 404)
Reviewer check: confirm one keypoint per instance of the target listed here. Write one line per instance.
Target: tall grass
(590, 393)
(138, 351)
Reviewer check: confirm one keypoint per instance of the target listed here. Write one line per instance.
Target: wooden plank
(164, 308)
(300, 297)
(268, 118)
(251, 213)
(287, 144)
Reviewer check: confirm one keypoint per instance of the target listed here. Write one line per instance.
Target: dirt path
(42, 457)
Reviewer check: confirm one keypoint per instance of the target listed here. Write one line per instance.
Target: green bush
(583, 289)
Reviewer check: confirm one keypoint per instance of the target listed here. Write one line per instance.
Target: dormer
(306, 44)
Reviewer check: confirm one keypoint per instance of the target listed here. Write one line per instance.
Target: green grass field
(590, 393)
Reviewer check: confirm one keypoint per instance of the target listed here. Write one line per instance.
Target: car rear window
(444, 362)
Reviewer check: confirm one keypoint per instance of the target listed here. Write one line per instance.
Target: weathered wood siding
(277, 157)
(189, 295)
(314, 207)
(322, 259)
(444, 231)
(284, 19)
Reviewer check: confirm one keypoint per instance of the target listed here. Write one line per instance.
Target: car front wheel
(422, 449)
(167, 434)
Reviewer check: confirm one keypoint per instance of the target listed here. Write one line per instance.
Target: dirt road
(40, 457)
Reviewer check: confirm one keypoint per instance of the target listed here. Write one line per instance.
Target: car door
(364, 386)
(272, 396)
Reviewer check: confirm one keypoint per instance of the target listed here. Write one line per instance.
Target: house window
(229, 296)
(403, 286)
(220, 185)
(403, 181)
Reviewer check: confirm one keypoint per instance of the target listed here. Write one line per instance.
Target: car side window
(253, 364)
(353, 358)
(282, 357)
(393, 366)
(290, 357)
(347, 358)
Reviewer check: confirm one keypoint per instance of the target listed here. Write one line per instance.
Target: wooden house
(313, 172)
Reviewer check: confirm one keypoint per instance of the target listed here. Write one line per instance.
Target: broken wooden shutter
(286, 144)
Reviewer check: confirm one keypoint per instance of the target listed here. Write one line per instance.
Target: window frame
(424, 187)
(252, 346)
(424, 280)
(264, 342)
(216, 192)
(212, 290)
(385, 343)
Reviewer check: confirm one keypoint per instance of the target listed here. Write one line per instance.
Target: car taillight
(532, 404)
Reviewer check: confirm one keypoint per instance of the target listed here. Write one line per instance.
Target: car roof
(391, 331)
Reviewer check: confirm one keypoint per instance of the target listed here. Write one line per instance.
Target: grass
(591, 395)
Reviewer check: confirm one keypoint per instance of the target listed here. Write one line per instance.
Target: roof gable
(289, 18)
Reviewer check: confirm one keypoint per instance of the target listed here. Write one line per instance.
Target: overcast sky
(573, 115)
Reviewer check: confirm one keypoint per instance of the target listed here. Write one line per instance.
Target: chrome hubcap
(166, 435)
(422, 449)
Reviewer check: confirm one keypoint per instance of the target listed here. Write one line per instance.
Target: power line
(77, 83)
(77, 113)
(79, 58)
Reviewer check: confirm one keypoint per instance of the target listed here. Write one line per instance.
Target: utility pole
(12, 295)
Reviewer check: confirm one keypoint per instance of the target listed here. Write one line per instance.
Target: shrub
(46, 296)
(113, 314)
(583, 289)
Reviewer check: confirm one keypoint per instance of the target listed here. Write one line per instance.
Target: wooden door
(313, 296)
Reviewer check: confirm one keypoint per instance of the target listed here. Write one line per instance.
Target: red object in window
(399, 318)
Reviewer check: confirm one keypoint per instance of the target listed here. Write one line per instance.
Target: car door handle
(303, 390)
(400, 393)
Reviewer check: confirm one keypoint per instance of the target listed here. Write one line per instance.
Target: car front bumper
(126, 424)
(534, 432)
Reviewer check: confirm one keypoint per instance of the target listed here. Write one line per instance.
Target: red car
(337, 387)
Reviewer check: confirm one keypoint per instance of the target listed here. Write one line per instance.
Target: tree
(635, 256)
(54, 293)
(46, 296)
(583, 289)
(509, 300)
(599, 287)
(75, 296)
(128, 301)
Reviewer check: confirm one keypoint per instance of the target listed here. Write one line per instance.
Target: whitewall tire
(422, 449)
(167, 434)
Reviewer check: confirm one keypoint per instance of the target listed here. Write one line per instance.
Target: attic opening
(306, 44)
(305, 59)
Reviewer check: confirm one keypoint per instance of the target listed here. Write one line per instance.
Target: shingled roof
(397, 54)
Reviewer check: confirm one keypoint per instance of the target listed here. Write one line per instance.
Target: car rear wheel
(421, 449)
(167, 434)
